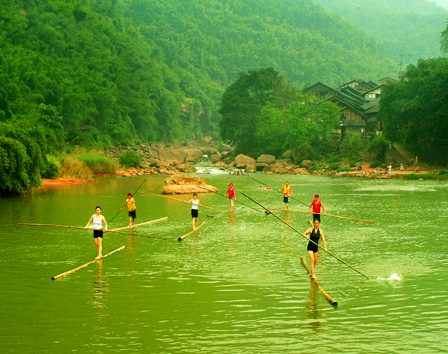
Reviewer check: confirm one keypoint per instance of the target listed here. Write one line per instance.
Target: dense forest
(108, 73)
(408, 30)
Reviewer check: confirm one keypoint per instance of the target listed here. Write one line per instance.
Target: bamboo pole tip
(180, 239)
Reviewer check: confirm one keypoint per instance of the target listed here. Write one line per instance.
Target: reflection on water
(236, 285)
(99, 288)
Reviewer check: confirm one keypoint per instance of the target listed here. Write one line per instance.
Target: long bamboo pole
(292, 197)
(143, 223)
(125, 203)
(226, 212)
(303, 234)
(324, 293)
(182, 237)
(84, 265)
(182, 201)
(334, 216)
(83, 228)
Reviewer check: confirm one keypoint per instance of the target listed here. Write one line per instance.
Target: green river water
(237, 285)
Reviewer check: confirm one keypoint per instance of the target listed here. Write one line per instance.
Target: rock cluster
(185, 184)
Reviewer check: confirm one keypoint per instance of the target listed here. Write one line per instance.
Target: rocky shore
(176, 159)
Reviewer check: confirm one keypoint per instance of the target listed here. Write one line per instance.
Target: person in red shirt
(316, 204)
(231, 194)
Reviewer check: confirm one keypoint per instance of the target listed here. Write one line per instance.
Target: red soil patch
(60, 182)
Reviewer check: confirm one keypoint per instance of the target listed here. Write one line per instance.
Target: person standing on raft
(287, 191)
(132, 210)
(316, 204)
(98, 221)
(313, 249)
(194, 210)
(232, 196)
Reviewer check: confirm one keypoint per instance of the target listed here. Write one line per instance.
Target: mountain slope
(407, 29)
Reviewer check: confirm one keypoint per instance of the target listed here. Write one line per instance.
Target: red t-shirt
(231, 193)
(316, 206)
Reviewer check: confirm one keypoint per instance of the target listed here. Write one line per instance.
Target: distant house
(359, 102)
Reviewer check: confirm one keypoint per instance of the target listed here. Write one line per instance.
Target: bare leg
(99, 246)
(313, 259)
(195, 223)
(286, 206)
(133, 222)
(130, 223)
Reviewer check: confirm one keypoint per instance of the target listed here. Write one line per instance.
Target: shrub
(74, 168)
(375, 164)
(99, 164)
(345, 169)
(378, 147)
(130, 159)
(334, 166)
(332, 159)
(51, 168)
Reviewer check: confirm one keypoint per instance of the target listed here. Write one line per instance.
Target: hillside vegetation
(408, 30)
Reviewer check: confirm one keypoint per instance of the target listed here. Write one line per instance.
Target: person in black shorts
(98, 221)
(313, 250)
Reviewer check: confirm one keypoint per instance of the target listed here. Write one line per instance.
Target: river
(235, 286)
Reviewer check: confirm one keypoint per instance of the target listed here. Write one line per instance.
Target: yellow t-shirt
(287, 191)
(131, 204)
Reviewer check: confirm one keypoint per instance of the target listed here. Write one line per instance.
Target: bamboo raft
(328, 297)
(225, 212)
(90, 228)
(182, 237)
(310, 212)
(84, 265)
(143, 223)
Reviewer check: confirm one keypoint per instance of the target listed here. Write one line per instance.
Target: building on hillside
(359, 101)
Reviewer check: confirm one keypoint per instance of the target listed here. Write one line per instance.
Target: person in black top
(313, 251)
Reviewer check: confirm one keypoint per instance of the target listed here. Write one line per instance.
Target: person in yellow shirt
(130, 203)
(286, 194)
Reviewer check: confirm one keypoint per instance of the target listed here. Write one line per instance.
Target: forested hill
(407, 29)
(121, 71)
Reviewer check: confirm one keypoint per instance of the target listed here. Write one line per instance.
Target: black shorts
(312, 247)
(316, 217)
(194, 213)
(97, 233)
(133, 214)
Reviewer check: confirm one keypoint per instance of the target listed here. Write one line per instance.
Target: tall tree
(243, 101)
(415, 110)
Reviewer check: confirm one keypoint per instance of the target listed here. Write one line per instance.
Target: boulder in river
(186, 184)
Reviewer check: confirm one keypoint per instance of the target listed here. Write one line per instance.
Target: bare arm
(323, 208)
(89, 222)
(323, 240)
(104, 221)
(307, 232)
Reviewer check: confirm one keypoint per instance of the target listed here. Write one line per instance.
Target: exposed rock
(301, 171)
(244, 160)
(251, 168)
(219, 164)
(283, 162)
(306, 164)
(183, 184)
(269, 159)
(193, 154)
(172, 155)
(214, 158)
(229, 159)
(185, 167)
(261, 166)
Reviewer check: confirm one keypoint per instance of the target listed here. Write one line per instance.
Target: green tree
(243, 101)
(306, 122)
(414, 110)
